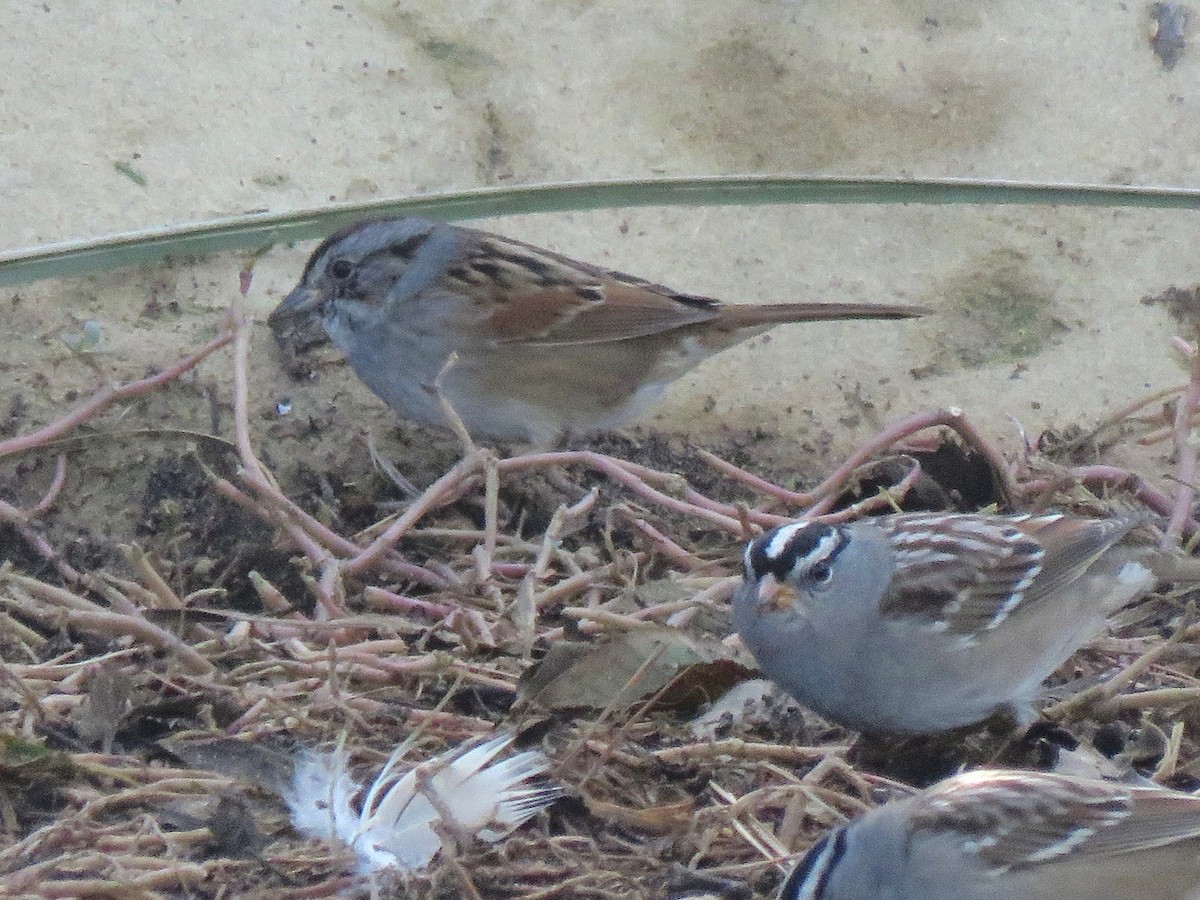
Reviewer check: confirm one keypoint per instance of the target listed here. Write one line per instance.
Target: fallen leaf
(630, 666)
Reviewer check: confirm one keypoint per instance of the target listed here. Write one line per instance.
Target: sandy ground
(222, 107)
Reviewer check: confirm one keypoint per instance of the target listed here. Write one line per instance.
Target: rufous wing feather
(594, 313)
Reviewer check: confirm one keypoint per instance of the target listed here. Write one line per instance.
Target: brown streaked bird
(923, 622)
(1012, 835)
(544, 344)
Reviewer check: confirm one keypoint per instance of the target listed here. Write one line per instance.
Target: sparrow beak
(774, 595)
(296, 323)
(302, 301)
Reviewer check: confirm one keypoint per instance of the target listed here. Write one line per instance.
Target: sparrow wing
(971, 572)
(541, 298)
(1020, 819)
(538, 297)
(965, 572)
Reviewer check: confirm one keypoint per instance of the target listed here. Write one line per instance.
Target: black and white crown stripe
(810, 879)
(794, 549)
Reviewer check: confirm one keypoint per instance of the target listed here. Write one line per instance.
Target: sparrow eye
(820, 574)
(340, 269)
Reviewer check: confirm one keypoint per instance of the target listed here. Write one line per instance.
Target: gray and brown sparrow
(924, 622)
(544, 344)
(1009, 835)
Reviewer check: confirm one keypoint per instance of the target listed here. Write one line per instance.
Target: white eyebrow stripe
(813, 886)
(780, 540)
(824, 549)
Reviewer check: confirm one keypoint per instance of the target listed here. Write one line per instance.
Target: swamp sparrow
(544, 344)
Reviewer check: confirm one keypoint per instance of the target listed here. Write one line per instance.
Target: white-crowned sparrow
(923, 622)
(545, 344)
(1004, 835)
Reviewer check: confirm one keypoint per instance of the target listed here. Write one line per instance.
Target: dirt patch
(1182, 303)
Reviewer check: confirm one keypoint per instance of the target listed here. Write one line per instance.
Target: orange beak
(774, 595)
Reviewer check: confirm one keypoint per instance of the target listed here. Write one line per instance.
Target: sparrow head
(359, 264)
(793, 558)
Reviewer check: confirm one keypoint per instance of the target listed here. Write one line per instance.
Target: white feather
(399, 823)
(321, 793)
